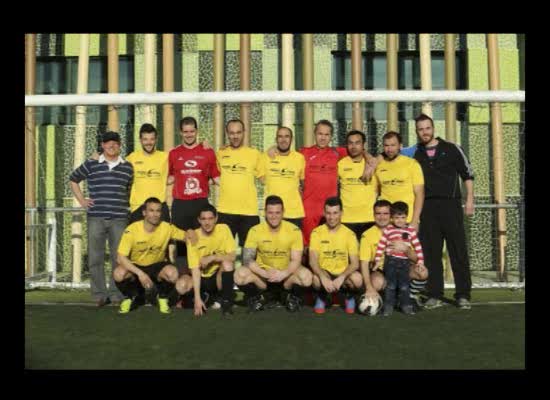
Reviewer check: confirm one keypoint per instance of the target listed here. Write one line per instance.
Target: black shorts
(209, 284)
(295, 221)
(153, 270)
(184, 216)
(239, 224)
(137, 215)
(359, 228)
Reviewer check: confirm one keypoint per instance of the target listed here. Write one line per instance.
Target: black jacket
(441, 173)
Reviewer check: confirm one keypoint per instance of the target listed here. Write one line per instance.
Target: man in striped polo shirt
(109, 180)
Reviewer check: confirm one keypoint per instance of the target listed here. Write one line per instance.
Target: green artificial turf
(84, 337)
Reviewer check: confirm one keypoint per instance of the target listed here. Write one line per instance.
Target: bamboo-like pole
(307, 73)
(168, 86)
(391, 78)
(498, 154)
(112, 79)
(219, 82)
(287, 72)
(149, 67)
(356, 80)
(425, 69)
(450, 84)
(245, 83)
(30, 148)
(79, 148)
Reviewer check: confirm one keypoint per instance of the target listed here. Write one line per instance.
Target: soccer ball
(369, 306)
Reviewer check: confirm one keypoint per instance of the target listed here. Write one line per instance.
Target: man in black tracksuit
(442, 218)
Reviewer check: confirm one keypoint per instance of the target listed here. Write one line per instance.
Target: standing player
(283, 175)
(211, 262)
(191, 166)
(357, 195)
(334, 259)
(272, 256)
(238, 165)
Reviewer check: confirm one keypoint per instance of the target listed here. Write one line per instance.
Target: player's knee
(227, 266)
(315, 281)
(377, 280)
(241, 275)
(119, 274)
(171, 274)
(304, 277)
(356, 280)
(183, 285)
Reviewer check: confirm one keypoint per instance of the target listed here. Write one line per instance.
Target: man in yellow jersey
(374, 280)
(150, 174)
(239, 165)
(334, 258)
(400, 178)
(283, 176)
(357, 195)
(211, 262)
(272, 256)
(142, 255)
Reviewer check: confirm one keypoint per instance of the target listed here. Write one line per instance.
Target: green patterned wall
(194, 70)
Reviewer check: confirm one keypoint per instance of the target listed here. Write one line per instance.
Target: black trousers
(443, 220)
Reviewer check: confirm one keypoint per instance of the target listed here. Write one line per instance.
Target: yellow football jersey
(282, 178)
(150, 174)
(238, 168)
(146, 248)
(369, 242)
(396, 180)
(357, 196)
(273, 248)
(220, 241)
(334, 248)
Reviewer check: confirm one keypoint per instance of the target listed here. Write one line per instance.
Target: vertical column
(498, 149)
(356, 80)
(307, 73)
(219, 82)
(79, 148)
(287, 71)
(425, 69)
(245, 83)
(391, 78)
(450, 84)
(30, 147)
(149, 66)
(112, 79)
(168, 86)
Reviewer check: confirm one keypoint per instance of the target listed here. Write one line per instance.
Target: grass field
(79, 336)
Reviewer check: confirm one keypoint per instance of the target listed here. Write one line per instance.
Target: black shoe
(255, 304)
(227, 307)
(293, 303)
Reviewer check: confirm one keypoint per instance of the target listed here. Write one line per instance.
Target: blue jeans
(396, 272)
(100, 230)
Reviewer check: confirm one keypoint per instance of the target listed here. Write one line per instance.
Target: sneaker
(319, 307)
(255, 303)
(164, 307)
(102, 302)
(388, 311)
(350, 305)
(293, 303)
(432, 303)
(227, 307)
(408, 310)
(125, 306)
(463, 303)
(215, 305)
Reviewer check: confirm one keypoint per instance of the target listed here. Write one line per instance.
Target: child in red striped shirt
(396, 264)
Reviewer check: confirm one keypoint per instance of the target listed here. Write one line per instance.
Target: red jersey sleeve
(342, 151)
(214, 171)
(170, 163)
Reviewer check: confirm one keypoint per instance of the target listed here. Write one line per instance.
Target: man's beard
(281, 150)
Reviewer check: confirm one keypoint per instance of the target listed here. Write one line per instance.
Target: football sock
(164, 288)
(128, 287)
(227, 285)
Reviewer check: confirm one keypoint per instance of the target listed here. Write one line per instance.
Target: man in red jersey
(321, 175)
(190, 166)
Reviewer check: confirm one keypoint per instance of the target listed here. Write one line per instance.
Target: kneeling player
(334, 258)
(374, 280)
(272, 255)
(142, 255)
(211, 262)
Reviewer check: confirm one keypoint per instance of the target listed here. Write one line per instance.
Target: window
(58, 75)
(374, 78)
